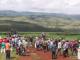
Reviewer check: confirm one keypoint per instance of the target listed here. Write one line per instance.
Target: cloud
(58, 6)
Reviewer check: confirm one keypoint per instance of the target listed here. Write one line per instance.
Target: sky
(50, 6)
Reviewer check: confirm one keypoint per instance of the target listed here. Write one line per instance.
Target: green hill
(6, 25)
(39, 23)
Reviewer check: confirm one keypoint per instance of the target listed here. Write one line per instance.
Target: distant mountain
(37, 14)
(34, 14)
(38, 21)
(15, 13)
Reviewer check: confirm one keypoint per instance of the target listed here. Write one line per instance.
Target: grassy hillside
(31, 23)
(20, 26)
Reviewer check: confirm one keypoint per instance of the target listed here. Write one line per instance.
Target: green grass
(53, 35)
(13, 56)
(68, 36)
(1, 57)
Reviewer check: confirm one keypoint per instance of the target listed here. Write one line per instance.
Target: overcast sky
(52, 6)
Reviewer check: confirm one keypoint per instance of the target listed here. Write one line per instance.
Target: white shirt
(59, 44)
(19, 43)
(51, 43)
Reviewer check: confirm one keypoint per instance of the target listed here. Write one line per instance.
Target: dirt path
(40, 55)
(47, 56)
(25, 58)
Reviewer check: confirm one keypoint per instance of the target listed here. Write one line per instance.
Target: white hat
(79, 40)
(36, 37)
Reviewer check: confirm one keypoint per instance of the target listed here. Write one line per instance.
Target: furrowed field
(53, 35)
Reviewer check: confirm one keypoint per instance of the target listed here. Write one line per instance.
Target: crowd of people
(58, 47)
(14, 42)
(21, 44)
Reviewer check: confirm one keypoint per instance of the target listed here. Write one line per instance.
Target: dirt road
(40, 55)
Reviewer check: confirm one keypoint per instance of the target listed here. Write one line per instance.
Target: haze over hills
(40, 14)
(28, 13)
(38, 21)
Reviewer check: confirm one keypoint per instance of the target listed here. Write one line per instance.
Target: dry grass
(13, 56)
(35, 56)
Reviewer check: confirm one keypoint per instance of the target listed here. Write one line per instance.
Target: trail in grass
(40, 55)
(36, 57)
(47, 56)
(25, 57)
(32, 56)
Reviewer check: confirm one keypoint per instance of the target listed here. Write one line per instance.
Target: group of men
(55, 46)
(58, 46)
(13, 42)
(5, 46)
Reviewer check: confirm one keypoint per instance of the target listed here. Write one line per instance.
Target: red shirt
(1, 40)
(5, 40)
(7, 46)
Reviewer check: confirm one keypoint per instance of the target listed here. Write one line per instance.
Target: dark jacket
(53, 47)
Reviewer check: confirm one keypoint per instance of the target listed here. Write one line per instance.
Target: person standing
(54, 50)
(43, 35)
(59, 47)
(3, 47)
(45, 46)
(65, 49)
(1, 42)
(78, 54)
(7, 50)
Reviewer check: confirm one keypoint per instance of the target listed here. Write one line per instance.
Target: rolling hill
(7, 25)
(38, 21)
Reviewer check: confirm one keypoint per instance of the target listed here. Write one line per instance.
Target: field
(32, 25)
(13, 56)
(53, 35)
(38, 55)
(39, 24)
